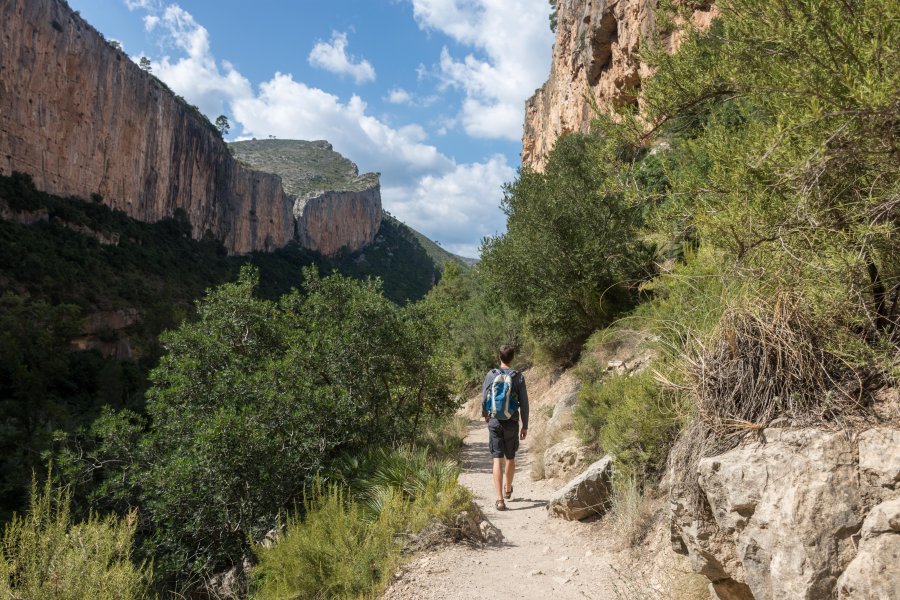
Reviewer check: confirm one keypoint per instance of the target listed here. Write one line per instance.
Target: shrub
(570, 257)
(349, 540)
(45, 555)
(633, 420)
(252, 400)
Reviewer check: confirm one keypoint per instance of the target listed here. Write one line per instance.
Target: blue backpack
(501, 401)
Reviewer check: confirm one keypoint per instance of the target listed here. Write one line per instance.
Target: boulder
(586, 495)
(564, 458)
(874, 573)
(785, 516)
(879, 456)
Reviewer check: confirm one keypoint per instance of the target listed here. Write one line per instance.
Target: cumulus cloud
(513, 40)
(399, 96)
(332, 56)
(196, 75)
(462, 203)
(455, 203)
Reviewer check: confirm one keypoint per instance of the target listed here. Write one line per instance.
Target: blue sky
(430, 93)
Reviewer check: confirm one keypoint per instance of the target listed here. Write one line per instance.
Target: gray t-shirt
(518, 388)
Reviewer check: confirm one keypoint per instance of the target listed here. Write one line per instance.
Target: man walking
(504, 400)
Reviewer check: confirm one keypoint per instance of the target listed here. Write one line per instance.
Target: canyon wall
(595, 57)
(330, 220)
(83, 120)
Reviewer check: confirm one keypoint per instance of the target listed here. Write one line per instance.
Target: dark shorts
(503, 438)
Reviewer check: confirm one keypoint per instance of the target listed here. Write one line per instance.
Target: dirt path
(542, 558)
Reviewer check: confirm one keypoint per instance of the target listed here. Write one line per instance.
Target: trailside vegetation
(248, 404)
(747, 220)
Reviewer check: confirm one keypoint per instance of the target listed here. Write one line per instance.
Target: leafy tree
(788, 162)
(253, 399)
(571, 251)
(145, 64)
(222, 125)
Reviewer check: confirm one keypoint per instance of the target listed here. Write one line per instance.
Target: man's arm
(523, 404)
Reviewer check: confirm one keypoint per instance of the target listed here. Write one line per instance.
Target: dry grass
(633, 513)
(764, 364)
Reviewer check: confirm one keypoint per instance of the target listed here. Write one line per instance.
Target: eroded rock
(874, 572)
(564, 458)
(781, 517)
(585, 496)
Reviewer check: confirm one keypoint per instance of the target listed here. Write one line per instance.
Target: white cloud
(196, 75)
(515, 39)
(463, 203)
(333, 57)
(399, 96)
(455, 203)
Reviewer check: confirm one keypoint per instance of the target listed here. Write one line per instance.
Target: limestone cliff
(335, 206)
(83, 120)
(595, 57)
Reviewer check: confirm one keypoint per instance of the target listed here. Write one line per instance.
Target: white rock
(586, 495)
(875, 571)
(879, 455)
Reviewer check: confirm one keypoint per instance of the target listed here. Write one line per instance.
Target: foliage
(251, 401)
(349, 539)
(475, 323)
(45, 555)
(44, 387)
(632, 419)
(571, 255)
(788, 159)
(222, 125)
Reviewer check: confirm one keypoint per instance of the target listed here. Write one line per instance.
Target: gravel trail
(541, 558)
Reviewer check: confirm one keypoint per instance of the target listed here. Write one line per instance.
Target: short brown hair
(507, 353)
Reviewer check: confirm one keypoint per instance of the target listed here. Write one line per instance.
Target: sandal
(509, 492)
(500, 505)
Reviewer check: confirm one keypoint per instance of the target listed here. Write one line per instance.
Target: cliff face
(83, 120)
(594, 56)
(330, 220)
(335, 206)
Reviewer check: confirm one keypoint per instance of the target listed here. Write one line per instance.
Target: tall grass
(45, 555)
(353, 529)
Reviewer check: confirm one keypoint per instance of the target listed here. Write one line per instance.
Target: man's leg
(498, 477)
(510, 471)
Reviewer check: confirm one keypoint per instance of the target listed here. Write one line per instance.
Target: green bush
(349, 540)
(250, 402)
(632, 419)
(571, 257)
(45, 555)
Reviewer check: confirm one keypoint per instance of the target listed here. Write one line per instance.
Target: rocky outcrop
(873, 573)
(107, 332)
(595, 59)
(585, 496)
(83, 120)
(786, 516)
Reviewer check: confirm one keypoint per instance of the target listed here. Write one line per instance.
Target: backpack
(502, 402)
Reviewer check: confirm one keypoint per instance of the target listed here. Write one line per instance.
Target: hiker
(504, 398)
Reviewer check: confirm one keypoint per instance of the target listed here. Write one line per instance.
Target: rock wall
(804, 513)
(328, 221)
(594, 57)
(82, 119)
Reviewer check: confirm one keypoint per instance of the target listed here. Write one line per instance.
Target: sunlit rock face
(595, 58)
(83, 120)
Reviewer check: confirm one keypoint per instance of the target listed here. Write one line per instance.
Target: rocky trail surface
(541, 557)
